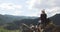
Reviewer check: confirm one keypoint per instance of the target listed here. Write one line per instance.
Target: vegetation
(5, 30)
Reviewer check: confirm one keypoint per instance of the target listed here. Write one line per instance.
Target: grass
(5, 30)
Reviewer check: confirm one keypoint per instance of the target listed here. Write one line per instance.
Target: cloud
(12, 12)
(10, 6)
(45, 4)
(30, 7)
(51, 6)
(17, 13)
(53, 11)
(30, 3)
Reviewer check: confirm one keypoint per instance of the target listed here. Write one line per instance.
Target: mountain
(9, 18)
(56, 19)
(26, 19)
(15, 21)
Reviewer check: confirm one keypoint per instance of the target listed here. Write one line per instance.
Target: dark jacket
(43, 16)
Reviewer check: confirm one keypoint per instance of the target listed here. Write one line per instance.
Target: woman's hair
(43, 11)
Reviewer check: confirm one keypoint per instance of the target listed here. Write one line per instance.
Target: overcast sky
(29, 7)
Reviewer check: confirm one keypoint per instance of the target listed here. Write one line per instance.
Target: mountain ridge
(56, 19)
(10, 18)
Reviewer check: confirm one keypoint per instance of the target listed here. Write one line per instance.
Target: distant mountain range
(9, 19)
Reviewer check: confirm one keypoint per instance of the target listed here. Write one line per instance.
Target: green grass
(5, 30)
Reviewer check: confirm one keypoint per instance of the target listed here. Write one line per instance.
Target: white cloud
(10, 6)
(18, 6)
(32, 7)
(49, 5)
(51, 2)
(16, 13)
(53, 11)
(30, 3)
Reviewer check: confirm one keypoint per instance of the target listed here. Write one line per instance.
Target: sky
(29, 7)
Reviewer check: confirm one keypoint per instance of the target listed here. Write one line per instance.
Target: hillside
(14, 22)
(25, 19)
(56, 19)
(9, 18)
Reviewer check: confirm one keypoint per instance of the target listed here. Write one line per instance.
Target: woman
(43, 18)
